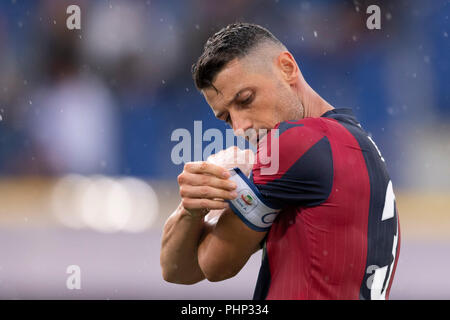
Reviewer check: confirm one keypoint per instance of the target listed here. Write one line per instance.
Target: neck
(314, 105)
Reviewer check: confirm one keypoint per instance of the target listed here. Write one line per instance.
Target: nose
(240, 125)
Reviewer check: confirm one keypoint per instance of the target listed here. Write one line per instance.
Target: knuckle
(203, 165)
(204, 191)
(180, 178)
(204, 203)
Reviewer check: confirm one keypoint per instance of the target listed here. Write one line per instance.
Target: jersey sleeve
(294, 165)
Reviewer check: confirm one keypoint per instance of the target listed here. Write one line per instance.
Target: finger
(206, 192)
(190, 204)
(206, 180)
(206, 167)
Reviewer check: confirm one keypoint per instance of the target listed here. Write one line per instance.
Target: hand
(234, 157)
(205, 186)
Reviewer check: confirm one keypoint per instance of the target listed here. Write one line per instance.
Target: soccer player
(334, 231)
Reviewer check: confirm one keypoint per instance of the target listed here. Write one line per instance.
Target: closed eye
(247, 100)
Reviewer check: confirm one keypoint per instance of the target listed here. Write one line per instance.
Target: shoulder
(297, 136)
(291, 138)
(310, 125)
(290, 143)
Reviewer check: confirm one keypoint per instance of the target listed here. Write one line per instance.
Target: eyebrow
(219, 114)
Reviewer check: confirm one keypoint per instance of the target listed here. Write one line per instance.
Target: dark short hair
(233, 41)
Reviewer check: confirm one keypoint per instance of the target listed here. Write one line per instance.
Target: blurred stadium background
(86, 118)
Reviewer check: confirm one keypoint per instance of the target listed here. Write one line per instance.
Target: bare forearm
(180, 240)
(228, 245)
(203, 187)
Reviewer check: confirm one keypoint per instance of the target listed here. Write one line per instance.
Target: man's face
(249, 98)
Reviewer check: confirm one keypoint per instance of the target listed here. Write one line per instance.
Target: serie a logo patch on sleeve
(250, 206)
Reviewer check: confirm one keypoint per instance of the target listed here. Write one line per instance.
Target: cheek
(262, 112)
(266, 103)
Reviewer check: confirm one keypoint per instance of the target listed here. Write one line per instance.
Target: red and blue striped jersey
(338, 235)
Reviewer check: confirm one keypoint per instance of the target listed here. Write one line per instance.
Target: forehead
(235, 77)
(227, 82)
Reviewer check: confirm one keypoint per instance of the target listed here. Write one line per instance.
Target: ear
(288, 67)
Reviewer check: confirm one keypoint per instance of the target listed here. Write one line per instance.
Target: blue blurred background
(81, 107)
